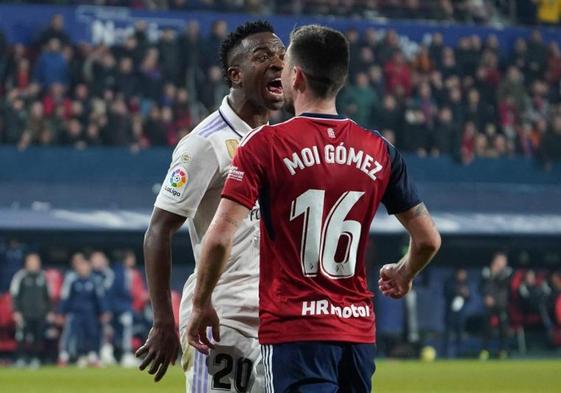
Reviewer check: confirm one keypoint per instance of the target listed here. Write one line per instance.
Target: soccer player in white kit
(252, 57)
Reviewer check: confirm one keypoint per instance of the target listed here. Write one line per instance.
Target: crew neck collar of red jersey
(324, 116)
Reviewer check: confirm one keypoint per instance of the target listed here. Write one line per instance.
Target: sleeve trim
(242, 201)
(187, 213)
(402, 209)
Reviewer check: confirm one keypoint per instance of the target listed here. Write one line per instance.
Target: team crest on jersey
(176, 182)
(232, 145)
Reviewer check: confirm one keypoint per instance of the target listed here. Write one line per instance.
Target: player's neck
(253, 116)
(304, 104)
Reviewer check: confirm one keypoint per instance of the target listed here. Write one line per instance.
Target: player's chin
(274, 100)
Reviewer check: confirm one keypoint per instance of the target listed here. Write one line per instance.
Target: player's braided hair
(236, 37)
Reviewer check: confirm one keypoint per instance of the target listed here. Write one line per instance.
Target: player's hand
(159, 350)
(201, 318)
(394, 281)
(18, 319)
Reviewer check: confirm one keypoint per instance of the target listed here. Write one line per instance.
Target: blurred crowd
(518, 301)
(97, 312)
(467, 11)
(479, 11)
(94, 314)
(472, 100)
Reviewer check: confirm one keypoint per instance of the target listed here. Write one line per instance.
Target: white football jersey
(192, 189)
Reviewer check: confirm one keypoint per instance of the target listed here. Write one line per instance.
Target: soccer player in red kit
(319, 179)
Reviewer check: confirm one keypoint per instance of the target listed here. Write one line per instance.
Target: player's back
(325, 177)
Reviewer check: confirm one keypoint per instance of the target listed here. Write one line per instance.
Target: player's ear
(298, 79)
(235, 75)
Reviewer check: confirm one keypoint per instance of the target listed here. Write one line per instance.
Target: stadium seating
(7, 325)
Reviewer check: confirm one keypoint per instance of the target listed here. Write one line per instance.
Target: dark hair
(236, 37)
(323, 55)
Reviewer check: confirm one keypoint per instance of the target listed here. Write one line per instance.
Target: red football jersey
(319, 180)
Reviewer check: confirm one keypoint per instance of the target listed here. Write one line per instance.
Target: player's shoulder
(257, 135)
(372, 135)
(264, 133)
(369, 132)
(204, 136)
(210, 126)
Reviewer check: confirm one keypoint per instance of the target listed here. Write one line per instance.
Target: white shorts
(233, 366)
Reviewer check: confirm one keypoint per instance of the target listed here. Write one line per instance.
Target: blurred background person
(456, 296)
(83, 306)
(533, 297)
(32, 310)
(104, 278)
(495, 286)
(121, 304)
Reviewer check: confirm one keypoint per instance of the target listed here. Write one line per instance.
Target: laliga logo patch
(178, 178)
(177, 182)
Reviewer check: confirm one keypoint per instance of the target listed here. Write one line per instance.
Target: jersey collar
(323, 116)
(236, 124)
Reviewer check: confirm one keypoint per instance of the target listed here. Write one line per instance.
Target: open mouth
(275, 87)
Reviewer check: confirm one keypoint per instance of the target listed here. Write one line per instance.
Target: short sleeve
(194, 166)
(401, 194)
(244, 178)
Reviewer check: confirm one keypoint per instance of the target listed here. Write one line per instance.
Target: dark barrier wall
(95, 24)
(116, 178)
(60, 164)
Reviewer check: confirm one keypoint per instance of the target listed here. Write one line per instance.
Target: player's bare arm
(396, 278)
(162, 345)
(216, 248)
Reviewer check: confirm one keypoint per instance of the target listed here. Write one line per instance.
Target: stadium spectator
(55, 30)
(211, 47)
(32, 309)
(456, 295)
(358, 100)
(533, 297)
(83, 306)
(495, 285)
(475, 11)
(155, 128)
(551, 143)
(390, 117)
(537, 54)
(397, 76)
(215, 89)
(120, 301)
(51, 66)
(104, 278)
(192, 53)
(111, 90)
(446, 136)
(170, 56)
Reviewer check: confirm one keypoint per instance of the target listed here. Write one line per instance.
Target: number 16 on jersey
(321, 240)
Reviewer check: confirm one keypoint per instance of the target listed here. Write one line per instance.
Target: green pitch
(391, 377)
